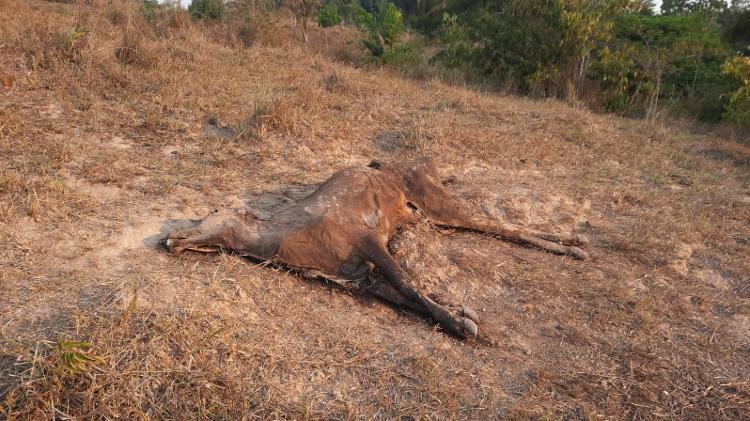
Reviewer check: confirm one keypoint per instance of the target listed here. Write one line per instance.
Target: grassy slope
(96, 156)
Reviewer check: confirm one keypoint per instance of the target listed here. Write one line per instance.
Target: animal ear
(375, 164)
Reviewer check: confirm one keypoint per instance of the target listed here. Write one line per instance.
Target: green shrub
(656, 61)
(403, 55)
(328, 16)
(738, 109)
(382, 29)
(529, 45)
(207, 9)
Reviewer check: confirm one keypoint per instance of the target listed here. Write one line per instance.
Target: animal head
(219, 230)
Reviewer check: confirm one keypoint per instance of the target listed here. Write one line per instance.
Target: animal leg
(226, 229)
(387, 293)
(566, 240)
(193, 240)
(459, 326)
(545, 241)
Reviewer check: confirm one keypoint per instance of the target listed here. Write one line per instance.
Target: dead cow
(342, 230)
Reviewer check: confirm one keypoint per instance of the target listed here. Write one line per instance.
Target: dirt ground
(104, 147)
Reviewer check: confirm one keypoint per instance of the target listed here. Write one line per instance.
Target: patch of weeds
(413, 138)
(334, 83)
(404, 55)
(116, 17)
(151, 11)
(449, 105)
(153, 118)
(658, 179)
(132, 50)
(714, 177)
(75, 356)
(246, 34)
(45, 48)
(274, 111)
(416, 136)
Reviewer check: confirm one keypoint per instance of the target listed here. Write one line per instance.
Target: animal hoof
(578, 253)
(468, 327)
(469, 313)
(575, 240)
(171, 245)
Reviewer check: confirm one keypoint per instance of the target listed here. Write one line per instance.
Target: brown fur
(342, 229)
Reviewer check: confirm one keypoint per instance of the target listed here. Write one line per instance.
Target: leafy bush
(382, 29)
(533, 46)
(654, 61)
(207, 9)
(738, 110)
(684, 7)
(403, 55)
(614, 54)
(246, 34)
(328, 16)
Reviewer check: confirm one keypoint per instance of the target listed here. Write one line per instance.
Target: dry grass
(98, 153)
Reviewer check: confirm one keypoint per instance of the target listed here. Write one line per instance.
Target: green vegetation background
(691, 60)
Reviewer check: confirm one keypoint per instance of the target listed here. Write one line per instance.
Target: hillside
(105, 145)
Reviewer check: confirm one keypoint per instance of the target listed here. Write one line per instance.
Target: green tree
(683, 7)
(735, 24)
(664, 60)
(511, 42)
(738, 109)
(328, 16)
(642, 7)
(538, 47)
(207, 9)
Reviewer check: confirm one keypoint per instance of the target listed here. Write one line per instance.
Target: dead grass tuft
(335, 83)
(132, 50)
(48, 48)
(283, 110)
(117, 17)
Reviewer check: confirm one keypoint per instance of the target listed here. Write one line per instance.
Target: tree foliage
(617, 52)
(328, 16)
(485, 39)
(614, 54)
(738, 110)
(382, 28)
(207, 9)
(684, 7)
(672, 58)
